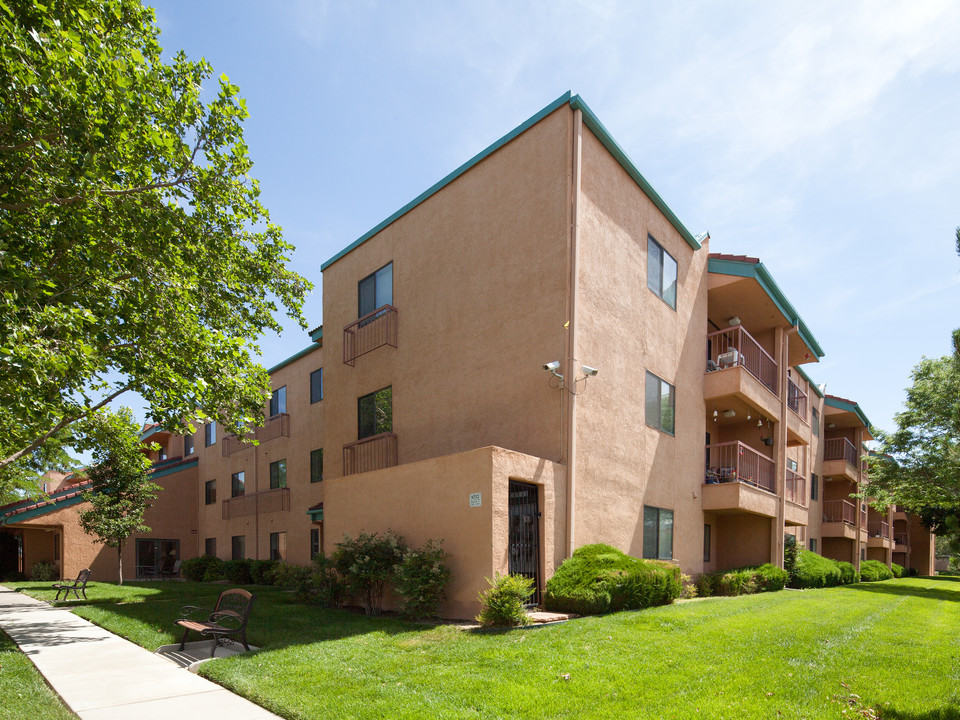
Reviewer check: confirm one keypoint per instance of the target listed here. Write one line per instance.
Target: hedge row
(743, 581)
(815, 571)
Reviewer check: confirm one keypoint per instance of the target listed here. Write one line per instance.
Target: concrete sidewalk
(103, 677)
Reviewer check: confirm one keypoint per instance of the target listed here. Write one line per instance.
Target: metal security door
(524, 513)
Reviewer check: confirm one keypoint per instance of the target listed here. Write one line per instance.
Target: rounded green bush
(599, 578)
(814, 571)
(874, 570)
(897, 570)
(502, 605)
(196, 568)
(848, 573)
(237, 571)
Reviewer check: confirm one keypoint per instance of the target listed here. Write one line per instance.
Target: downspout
(570, 371)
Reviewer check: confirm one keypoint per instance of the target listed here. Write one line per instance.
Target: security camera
(552, 366)
(589, 371)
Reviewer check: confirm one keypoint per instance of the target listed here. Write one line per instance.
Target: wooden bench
(77, 586)
(228, 619)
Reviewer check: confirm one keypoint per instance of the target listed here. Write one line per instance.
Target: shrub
(874, 570)
(599, 578)
(914, 572)
(196, 568)
(295, 577)
(813, 571)
(43, 572)
(790, 553)
(502, 605)
(261, 571)
(897, 570)
(705, 585)
(421, 577)
(743, 581)
(688, 589)
(770, 578)
(848, 573)
(237, 571)
(330, 585)
(367, 562)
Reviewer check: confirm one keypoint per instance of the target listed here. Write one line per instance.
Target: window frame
(654, 248)
(656, 552)
(210, 492)
(361, 434)
(659, 420)
(706, 542)
(315, 548)
(316, 477)
(276, 551)
(238, 482)
(278, 401)
(206, 546)
(814, 420)
(814, 486)
(189, 447)
(376, 278)
(210, 433)
(316, 396)
(278, 474)
(242, 547)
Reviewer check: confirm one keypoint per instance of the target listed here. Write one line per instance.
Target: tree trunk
(120, 561)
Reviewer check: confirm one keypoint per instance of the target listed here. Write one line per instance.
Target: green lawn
(25, 696)
(782, 655)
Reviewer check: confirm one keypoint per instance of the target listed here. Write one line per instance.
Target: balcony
(738, 368)
(373, 330)
(735, 347)
(796, 399)
(265, 501)
(901, 539)
(878, 534)
(795, 488)
(371, 453)
(274, 427)
(841, 459)
(738, 478)
(839, 519)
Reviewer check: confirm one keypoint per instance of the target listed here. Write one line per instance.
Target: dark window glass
(162, 453)
(238, 547)
(657, 533)
(278, 401)
(210, 547)
(278, 546)
(278, 474)
(660, 403)
(375, 413)
(187, 445)
(316, 465)
(375, 290)
(814, 489)
(815, 421)
(661, 272)
(210, 492)
(813, 545)
(314, 542)
(236, 484)
(316, 386)
(706, 543)
(210, 433)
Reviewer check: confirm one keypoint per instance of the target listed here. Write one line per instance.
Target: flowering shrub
(421, 577)
(367, 562)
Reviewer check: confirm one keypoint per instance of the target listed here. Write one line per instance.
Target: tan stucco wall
(430, 499)
(743, 540)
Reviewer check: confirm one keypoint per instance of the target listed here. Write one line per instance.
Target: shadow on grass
(947, 712)
(277, 620)
(949, 591)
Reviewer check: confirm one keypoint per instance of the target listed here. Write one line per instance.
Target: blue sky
(821, 137)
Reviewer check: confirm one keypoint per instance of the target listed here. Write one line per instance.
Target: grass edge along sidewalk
(888, 646)
(26, 696)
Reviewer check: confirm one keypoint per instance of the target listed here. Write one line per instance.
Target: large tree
(121, 489)
(135, 254)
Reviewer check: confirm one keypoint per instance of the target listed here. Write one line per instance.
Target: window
(814, 489)
(236, 484)
(813, 544)
(209, 492)
(278, 401)
(863, 553)
(316, 386)
(660, 402)
(661, 273)
(375, 413)
(278, 474)
(316, 465)
(657, 533)
(188, 445)
(815, 421)
(210, 547)
(278, 546)
(375, 290)
(238, 547)
(791, 464)
(314, 542)
(210, 433)
(706, 543)
(162, 453)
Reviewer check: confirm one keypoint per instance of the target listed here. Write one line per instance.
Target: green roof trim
(151, 431)
(759, 272)
(603, 135)
(803, 374)
(43, 510)
(179, 467)
(853, 407)
(303, 353)
(317, 334)
(52, 502)
(316, 515)
(595, 126)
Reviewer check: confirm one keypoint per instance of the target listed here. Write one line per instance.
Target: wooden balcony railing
(841, 449)
(795, 488)
(901, 539)
(265, 501)
(372, 453)
(373, 330)
(736, 462)
(796, 399)
(840, 511)
(879, 528)
(274, 427)
(735, 346)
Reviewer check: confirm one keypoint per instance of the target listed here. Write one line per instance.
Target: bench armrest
(188, 611)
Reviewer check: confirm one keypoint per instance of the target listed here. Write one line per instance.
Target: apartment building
(533, 355)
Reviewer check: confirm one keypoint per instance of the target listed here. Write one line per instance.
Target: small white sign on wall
(474, 499)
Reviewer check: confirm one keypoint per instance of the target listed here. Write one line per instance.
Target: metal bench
(228, 619)
(77, 586)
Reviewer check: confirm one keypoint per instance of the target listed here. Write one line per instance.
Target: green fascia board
(803, 374)
(317, 334)
(849, 407)
(595, 126)
(151, 431)
(43, 509)
(303, 353)
(759, 272)
(316, 515)
(522, 127)
(613, 147)
(161, 472)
